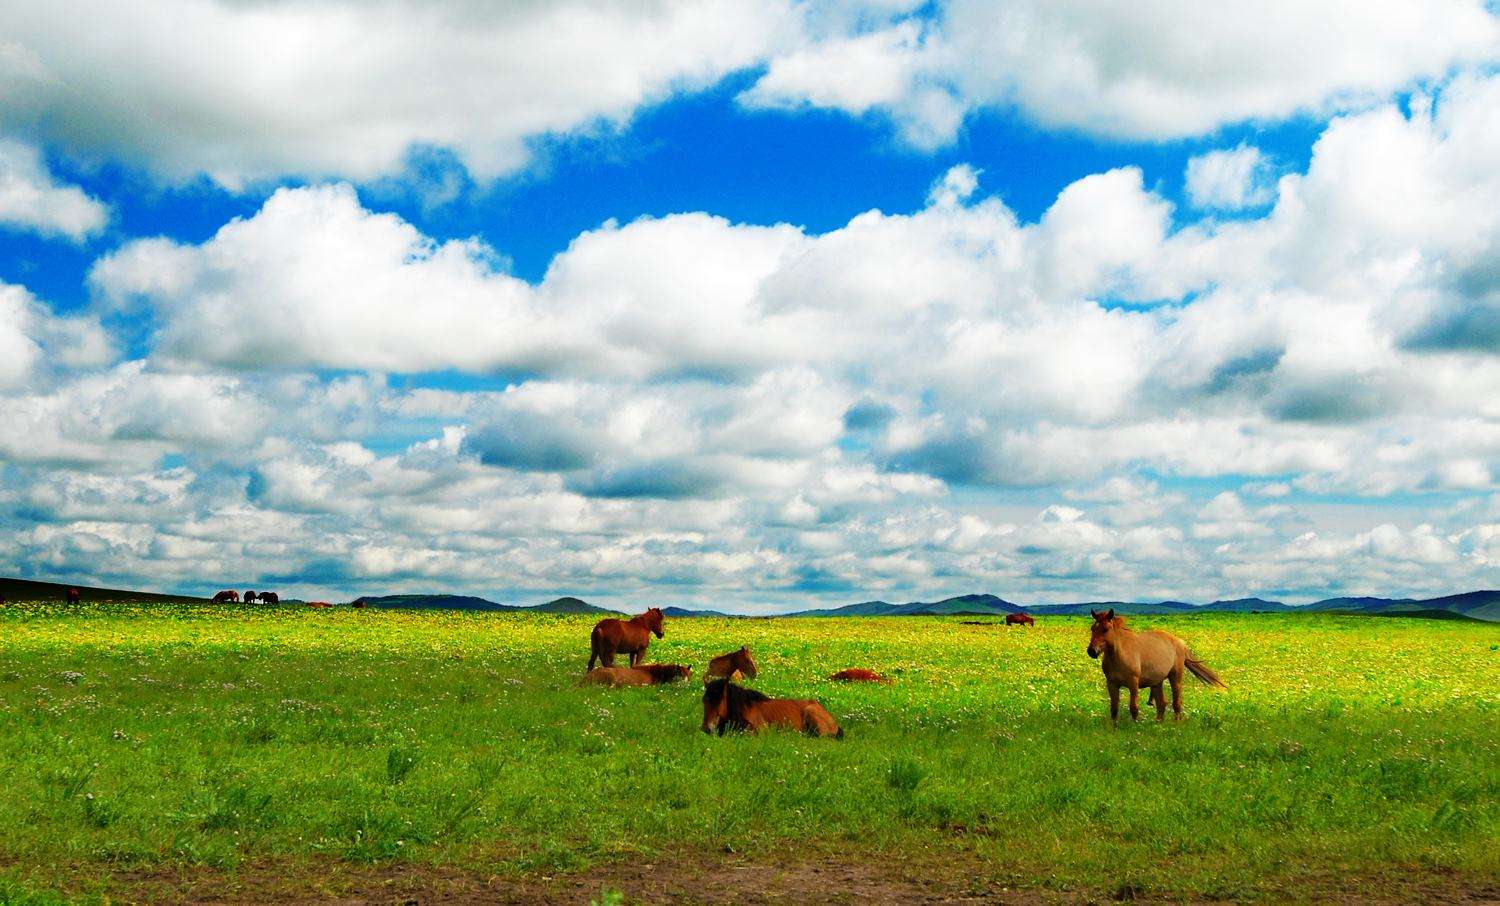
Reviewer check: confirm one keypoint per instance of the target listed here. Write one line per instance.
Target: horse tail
(593, 647)
(1203, 672)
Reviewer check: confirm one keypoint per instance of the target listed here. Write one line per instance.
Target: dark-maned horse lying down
(859, 675)
(643, 675)
(730, 707)
(611, 637)
(727, 665)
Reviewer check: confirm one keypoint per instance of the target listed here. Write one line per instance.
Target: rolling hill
(28, 590)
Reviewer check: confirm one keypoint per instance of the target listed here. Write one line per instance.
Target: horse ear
(1094, 614)
(1109, 614)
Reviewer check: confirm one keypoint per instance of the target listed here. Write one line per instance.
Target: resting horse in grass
(730, 707)
(611, 637)
(727, 665)
(644, 675)
(1134, 659)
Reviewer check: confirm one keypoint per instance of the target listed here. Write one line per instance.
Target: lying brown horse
(1019, 619)
(644, 675)
(727, 665)
(730, 707)
(1134, 659)
(859, 675)
(611, 637)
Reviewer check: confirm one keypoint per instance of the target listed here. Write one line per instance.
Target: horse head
(715, 706)
(654, 620)
(1099, 632)
(744, 663)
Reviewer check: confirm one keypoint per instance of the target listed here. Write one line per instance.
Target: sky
(754, 306)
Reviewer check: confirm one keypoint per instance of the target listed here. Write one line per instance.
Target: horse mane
(740, 699)
(663, 673)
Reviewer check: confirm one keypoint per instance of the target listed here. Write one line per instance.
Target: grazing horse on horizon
(735, 662)
(270, 597)
(1019, 619)
(611, 637)
(226, 597)
(250, 597)
(74, 596)
(1134, 659)
(730, 707)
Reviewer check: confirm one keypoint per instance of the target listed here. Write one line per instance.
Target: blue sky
(1125, 309)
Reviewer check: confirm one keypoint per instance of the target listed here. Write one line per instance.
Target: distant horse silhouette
(318, 604)
(611, 637)
(225, 597)
(270, 597)
(74, 596)
(730, 707)
(1134, 659)
(249, 597)
(859, 675)
(1019, 619)
(727, 665)
(644, 675)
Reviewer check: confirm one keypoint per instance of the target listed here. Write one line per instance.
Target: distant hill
(966, 605)
(1239, 605)
(432, 602)
(27, 590)
(568, 605)
(468, 602)
(687, 613)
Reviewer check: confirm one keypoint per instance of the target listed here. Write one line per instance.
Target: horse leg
(1159, 699)
(1114, 702)
(1175, 678)
(593, 654)
(1135, 698)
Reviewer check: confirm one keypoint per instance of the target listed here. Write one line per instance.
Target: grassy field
(154, 738)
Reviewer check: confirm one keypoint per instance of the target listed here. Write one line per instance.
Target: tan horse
(644, 675)
(632, 636)
(727, 665)
(1134, 659)
(730, 707)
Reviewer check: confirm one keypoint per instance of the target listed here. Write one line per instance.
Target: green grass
(156, 737)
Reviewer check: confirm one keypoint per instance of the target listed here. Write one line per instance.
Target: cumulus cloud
(1140, 71)
(32, 199)
(352, 88)
(1229, 180)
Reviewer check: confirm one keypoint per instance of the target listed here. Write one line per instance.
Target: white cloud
(31, 199)
(1230, 180)
(264, 90)
(1149, 70)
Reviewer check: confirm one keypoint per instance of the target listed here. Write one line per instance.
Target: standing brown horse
(1135, 659)
(727, 665)
(611, 637)
(224, 597)
(730, 707)
(1019, 619)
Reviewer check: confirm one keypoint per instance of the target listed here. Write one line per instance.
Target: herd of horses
(1130, 660)
(230, 596)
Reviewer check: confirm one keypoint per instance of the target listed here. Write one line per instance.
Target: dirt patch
(719, 878)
